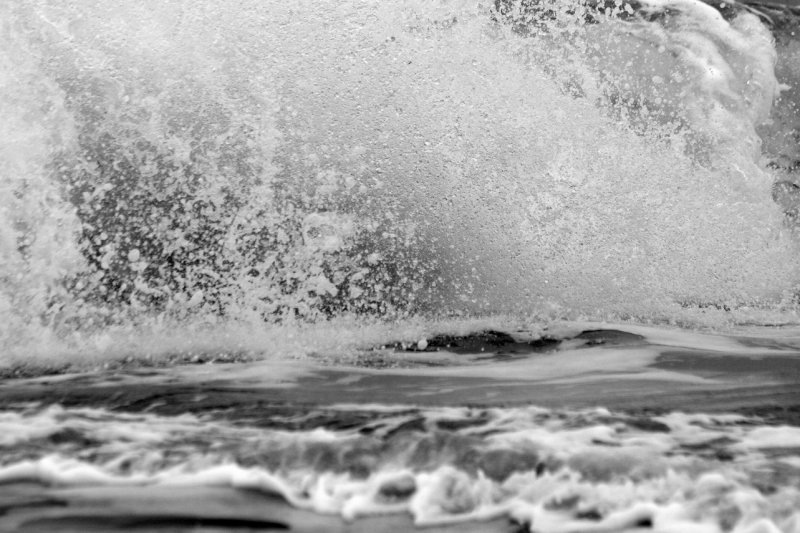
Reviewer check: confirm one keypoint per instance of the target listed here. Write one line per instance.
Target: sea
(407, 265)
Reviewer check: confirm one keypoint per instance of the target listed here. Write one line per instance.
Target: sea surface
(348, 265)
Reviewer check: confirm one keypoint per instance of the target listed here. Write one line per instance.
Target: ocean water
(349, 185)
(182, 164)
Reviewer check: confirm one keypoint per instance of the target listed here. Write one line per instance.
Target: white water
(187, 164)
(557, 471)
(295, 179)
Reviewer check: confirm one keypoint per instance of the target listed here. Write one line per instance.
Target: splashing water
(569, 472)
(252, 162)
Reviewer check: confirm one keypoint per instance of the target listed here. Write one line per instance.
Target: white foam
(602, 475)
(773, 437)
(547, 175)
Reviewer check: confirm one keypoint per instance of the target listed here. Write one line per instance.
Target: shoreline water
(596, 367)
(479, 425)
(717, 402)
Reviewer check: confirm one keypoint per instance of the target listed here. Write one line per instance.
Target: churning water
(266, 162)
(356, 181)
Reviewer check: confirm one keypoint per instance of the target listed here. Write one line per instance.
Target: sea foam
(173, 169)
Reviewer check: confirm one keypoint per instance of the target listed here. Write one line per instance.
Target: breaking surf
(547, 470)
(391, 161)
(698, 432)
(257, 258)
